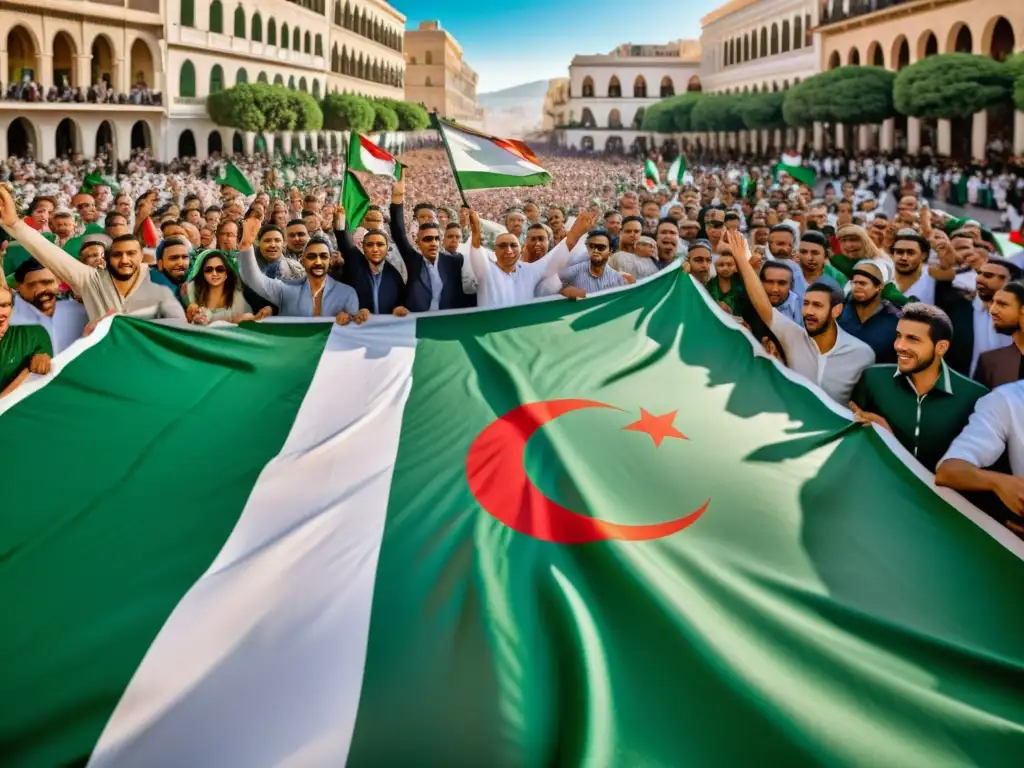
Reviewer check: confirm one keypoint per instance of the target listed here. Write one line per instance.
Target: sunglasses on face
(215, 270)
(430, 238)
(599, 247)
(318, 256)
(714, 223)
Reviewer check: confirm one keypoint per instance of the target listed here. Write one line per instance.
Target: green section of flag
(827, 608)
(122, 479)
(96, 179)
(355, 201)
(651, 172)
(677, 170)
(234, 178)
(800, 173)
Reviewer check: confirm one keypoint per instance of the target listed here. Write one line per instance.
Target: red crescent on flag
(498, 481)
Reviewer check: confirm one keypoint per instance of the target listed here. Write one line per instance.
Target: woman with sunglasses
(215, 292)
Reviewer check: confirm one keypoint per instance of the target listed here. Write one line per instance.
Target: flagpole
(447, 150)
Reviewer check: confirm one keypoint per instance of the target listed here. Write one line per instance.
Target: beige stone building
(437, 76)
(556, 104)
(896, 33)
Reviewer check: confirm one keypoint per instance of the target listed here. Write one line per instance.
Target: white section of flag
(471, 153)
(375, 159)
(788, 159)
(261, 663)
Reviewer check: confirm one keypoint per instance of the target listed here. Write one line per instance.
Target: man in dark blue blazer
(435, 277)
(378, 285)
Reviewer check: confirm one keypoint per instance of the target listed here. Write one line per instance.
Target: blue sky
(513, 43)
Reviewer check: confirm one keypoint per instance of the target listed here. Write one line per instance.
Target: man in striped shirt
(594, 275)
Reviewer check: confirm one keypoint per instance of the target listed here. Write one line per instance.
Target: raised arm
(271, 290)
(751, 282)
(559, 257)
(348, 249)
(398, 234)
(477, 258)
(63, 265)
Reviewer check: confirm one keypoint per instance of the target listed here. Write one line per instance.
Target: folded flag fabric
(480, 161)
(800, 173)
(676, 170)
(364, 155)
(589, 533)
(651, 176)
(96, 179)
(354, 199)
(234, 178)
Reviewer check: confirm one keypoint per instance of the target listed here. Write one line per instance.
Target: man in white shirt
(820, 350)
(508, 281)
(996, 425)
(37, 304)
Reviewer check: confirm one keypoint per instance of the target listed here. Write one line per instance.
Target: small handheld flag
(235, 179)
(364, 155)
(799, 173)
(96, 179)
(651, 177)
(354, 200)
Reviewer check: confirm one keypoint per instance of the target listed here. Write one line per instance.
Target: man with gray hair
(641, 263)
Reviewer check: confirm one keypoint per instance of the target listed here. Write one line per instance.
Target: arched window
(429, 58)
(284, 36)
(256, 28)
(291, 83)
(667, 87)
(241, 76)
(262, 78)
(216, 78)
(216, 17)
(296, 40)
(785, 35)
(318, 46)
(187, 80)
(639, 87)
(239, 22)
(188, 13)
(346, 20)
(746, 48)
(316, 90)
(763, 48)
(775, 39)
(798, 33)
(427, 82)
(614, 88)
(345, 70)
(753, 45)
(337, 12)
(307, 43)
(278, 80)
(302, 84)
(271, 32)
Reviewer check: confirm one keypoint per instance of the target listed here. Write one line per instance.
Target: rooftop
(725, 10)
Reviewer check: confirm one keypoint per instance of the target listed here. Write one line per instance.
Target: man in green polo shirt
(922, 401)
(24, 349)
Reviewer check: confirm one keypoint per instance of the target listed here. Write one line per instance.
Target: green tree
(952, 85)
(344, 112)
(308, 115)
(385, 118)
(763, 111)
(263, 107)
(717, 112)
(849, 95)
(1015, 66)
(411, 117)
(681, 109)
(657, 118)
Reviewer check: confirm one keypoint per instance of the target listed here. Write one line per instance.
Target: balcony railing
(834, 12)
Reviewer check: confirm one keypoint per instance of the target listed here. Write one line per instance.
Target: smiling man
(63, 319)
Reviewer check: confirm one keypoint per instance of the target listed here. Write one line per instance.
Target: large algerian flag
(479, 161)
(364, 155)
(590, 533)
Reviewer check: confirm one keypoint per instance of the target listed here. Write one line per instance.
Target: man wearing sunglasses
(591, 276)
(315, 295)
(436, 279)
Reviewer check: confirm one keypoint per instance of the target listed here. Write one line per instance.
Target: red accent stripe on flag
(513, 146)
(375, 150)
(1017, 237)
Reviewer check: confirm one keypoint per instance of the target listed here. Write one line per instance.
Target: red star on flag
(658, 427)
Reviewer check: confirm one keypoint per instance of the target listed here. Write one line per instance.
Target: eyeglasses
(599, 247)
(318, 256)
(215, 270)
(714, 223)
(430, 238)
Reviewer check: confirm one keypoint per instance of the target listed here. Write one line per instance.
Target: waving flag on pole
(362, 579)
(480, 161)
(676, 170)
(651, 176)
(364, 155)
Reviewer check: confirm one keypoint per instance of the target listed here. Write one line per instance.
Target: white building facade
(179, 52)
(608, 93)
(754, 46)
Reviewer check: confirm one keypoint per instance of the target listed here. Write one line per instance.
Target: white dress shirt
(997, 424)
(985, 335)
(497, 288)
(65, 327)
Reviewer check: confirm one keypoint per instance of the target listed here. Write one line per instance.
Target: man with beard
(921, 400)
(1006, 364)
(173, 261)
(867, 315)
(508, 281)
(37, 287)
(592, 276)
(227, 235)
(62, 224)
(819, 350)
(698, 261)
(613, 225)
(781, 242)
(378, 285)
(315, 295)
(23, 349)
(909, 252)
(974, 333)
(295, 238)
(631, 230)
(122, 288)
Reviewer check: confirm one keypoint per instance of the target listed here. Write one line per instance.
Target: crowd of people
(912, 319)
(101, 92)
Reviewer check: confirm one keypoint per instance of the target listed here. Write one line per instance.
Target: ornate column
(979, 135)
(945, 148)
(913, 135)
(887, 136)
